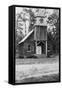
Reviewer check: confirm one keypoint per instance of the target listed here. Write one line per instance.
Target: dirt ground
(37, 70)
(37, 60)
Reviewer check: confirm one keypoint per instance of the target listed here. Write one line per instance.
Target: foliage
(19, 26)
(32, 18)
(53, 36)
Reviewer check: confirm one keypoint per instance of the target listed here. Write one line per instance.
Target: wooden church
(35, 42)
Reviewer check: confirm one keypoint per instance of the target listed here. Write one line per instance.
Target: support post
(35, 39)
(46, 47)
(36, 46)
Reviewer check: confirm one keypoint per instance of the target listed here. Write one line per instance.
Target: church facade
(35, 42)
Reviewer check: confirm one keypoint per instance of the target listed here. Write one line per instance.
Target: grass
(23, 64)
(37, 60)
(46, 78)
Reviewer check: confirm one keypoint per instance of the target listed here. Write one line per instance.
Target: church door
(38, 50)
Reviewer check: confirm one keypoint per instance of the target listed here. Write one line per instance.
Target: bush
(31, 56)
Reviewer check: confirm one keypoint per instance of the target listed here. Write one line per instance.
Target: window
(29, 47)
(41, 20)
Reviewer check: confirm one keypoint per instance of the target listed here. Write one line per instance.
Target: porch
(40, 48)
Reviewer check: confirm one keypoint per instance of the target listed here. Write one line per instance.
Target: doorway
(38, 50)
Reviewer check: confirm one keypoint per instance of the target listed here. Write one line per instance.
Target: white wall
(4, 44)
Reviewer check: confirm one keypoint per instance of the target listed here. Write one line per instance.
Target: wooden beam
(46, 47)
(35, 37)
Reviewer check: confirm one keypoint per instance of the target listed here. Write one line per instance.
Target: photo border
(13, 61)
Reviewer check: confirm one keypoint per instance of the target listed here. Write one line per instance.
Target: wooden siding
(26, 51)
(29, 41)
(21, 52)
(23, 47)
(43, 33)
(40, 33)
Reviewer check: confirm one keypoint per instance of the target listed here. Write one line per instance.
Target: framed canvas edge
(28, 6)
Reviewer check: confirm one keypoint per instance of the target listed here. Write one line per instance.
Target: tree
(53, 36)
(19, 34)
(24, 20)
(32, 18)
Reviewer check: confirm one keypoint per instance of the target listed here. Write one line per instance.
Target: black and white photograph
(37, 44)
(30, 48)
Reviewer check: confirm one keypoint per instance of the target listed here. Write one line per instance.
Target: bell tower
(40, 33)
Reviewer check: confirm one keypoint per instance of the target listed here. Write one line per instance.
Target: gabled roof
(26, 37)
